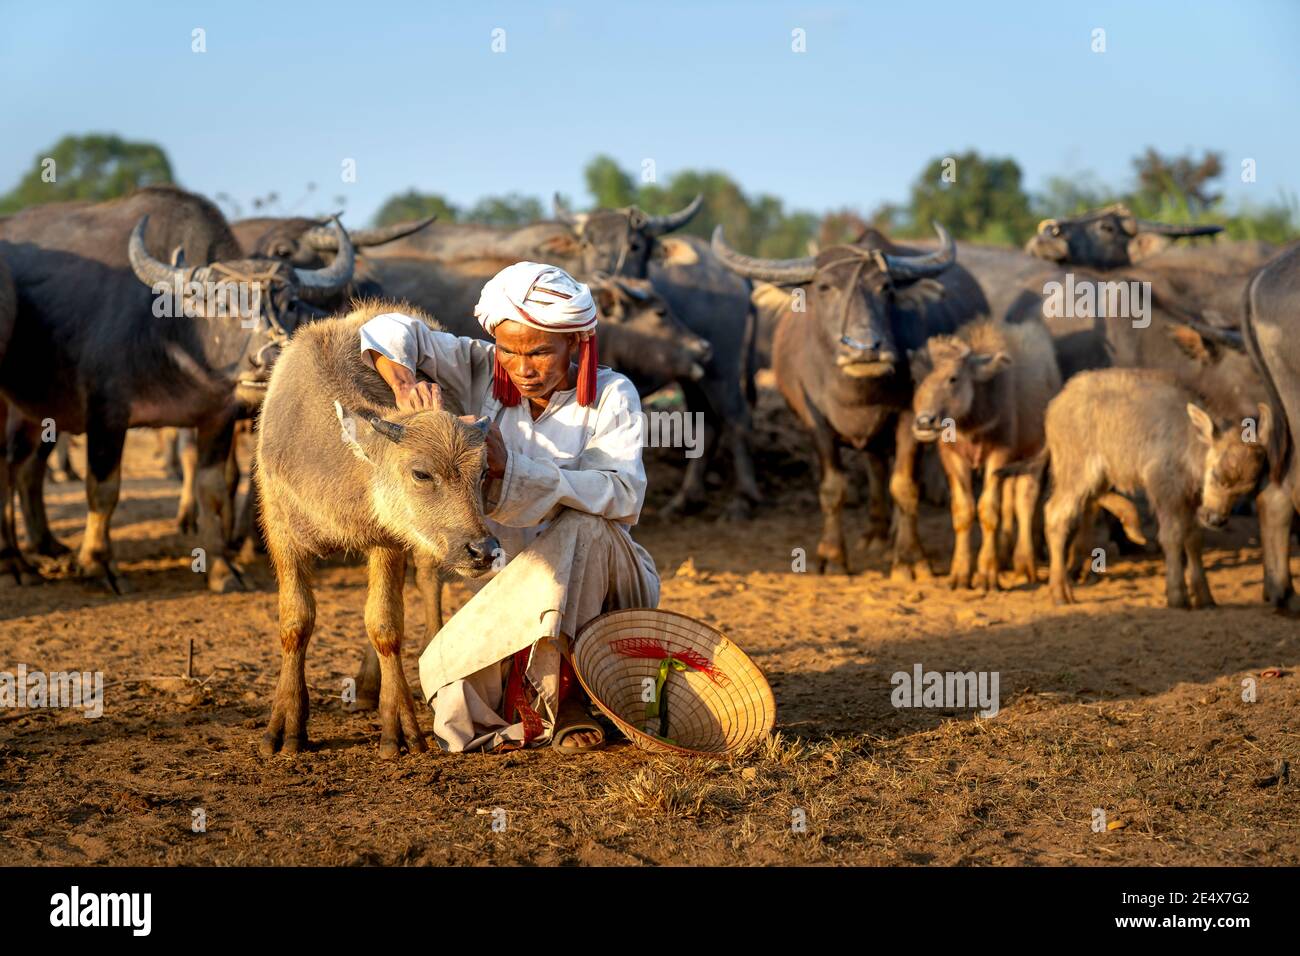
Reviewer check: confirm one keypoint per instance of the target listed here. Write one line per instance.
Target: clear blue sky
(414, 93)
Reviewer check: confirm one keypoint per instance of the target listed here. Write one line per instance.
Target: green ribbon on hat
(658, 707)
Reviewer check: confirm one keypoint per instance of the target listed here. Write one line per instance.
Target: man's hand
(410, 395)
(496, 452)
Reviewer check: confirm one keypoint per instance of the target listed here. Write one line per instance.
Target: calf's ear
(1204, 424)
(482, 426)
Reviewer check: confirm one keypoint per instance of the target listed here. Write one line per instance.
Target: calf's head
(427, 487)
(1235, 458)
(851, 295)
(949, 374)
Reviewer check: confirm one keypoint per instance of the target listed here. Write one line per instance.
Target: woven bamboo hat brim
(715, 698)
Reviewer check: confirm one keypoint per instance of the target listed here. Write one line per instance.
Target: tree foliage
(93, 167)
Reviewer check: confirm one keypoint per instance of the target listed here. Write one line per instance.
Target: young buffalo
(981, 395)
(339, 468)
(1132, 429)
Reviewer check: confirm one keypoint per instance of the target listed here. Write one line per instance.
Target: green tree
(512, 209)
(608, 184)
(95, 167)
(974, 197)
(414, 205)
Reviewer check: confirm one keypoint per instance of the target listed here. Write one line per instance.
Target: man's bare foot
(586, 733)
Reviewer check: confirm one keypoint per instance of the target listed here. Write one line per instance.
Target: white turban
(541, 296)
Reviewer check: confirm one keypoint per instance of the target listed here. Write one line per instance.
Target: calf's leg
(910, 562)
(990, 512)
(962, 505)
(1174, 522)
(1060, 518)
(287, 730)
(1201, 596)
(1025, 494)
(398, 724)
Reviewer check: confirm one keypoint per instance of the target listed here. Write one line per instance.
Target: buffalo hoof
(363, 704)
(1061, 596)
(187, 524)
(287, 745)
(399, 727)
(875, 544)
(16, 572)
(959, 580)
(103, 576)
(52, 547)
(906, 572)
(1202, 601)
(987, 581)
(287, 731)
(223, 578)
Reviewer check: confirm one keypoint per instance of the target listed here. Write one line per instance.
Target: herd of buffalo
(1107, 359)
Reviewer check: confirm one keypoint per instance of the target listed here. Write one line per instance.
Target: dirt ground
(1115, 704)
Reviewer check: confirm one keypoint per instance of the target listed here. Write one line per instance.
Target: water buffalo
(142, 311)
(712, 301)
(1272, 333)
(1107, 238)
(339, 468)
(841, 363)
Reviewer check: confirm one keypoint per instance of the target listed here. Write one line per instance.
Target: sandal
(576, 721)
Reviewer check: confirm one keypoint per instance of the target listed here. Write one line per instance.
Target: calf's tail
(1126, 512)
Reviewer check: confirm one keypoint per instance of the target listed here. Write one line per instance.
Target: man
(564, 484)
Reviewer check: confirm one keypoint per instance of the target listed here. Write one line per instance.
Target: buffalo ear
(390, 430)
(987, 366)
(1204, 424)
(675, 252)
(1146, 244)
(917, 295)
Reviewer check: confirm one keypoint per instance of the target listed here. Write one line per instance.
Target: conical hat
(715, 698)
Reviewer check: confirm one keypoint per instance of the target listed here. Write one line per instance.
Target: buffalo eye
(421, 476)
(953, 380)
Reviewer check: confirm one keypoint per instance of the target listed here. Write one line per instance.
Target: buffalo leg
(1275, 510)
(398, 724)
(876, 537)
(14, 568)
(104, 444)
(962, 503)
(1174, 529)
(168, 450)
(910, 562)
(830, 549)
(1025, 492)
(990, 514)
(230, 510)
(214, 440)
(1192, 545)
(27, 459)
(187, 450)
(1060, 519)
(287, 730)
(63, 470)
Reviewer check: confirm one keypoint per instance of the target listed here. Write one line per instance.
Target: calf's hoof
(103, 576)
(906, 572)
(363, 704)
(987, 581)
(1061, 596)
(15, 572)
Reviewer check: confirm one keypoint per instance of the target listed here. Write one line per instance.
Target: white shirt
(572, 456)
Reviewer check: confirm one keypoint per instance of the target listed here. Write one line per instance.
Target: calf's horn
(390, 430)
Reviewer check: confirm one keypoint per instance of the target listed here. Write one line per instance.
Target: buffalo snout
(482, 552)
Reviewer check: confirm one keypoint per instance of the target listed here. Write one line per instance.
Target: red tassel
(587, 372)
(503, 390)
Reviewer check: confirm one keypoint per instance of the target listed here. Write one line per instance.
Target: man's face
(536, 361)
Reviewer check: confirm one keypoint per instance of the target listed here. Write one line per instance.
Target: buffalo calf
(982, 394)
(1137, 429)
(339, 468)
